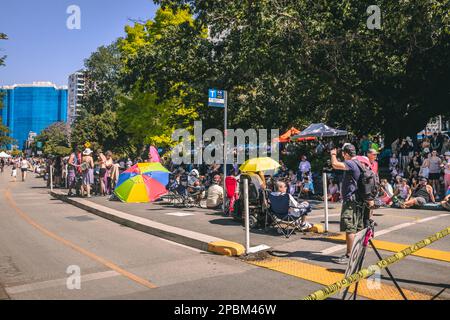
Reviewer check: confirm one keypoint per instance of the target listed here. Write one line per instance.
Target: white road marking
(384, 231)
(59, 282)
(179, 214)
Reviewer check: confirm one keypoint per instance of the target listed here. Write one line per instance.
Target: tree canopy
(284, 63)
(55, 139)
(318, 61)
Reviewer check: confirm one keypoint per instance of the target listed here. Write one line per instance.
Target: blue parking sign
(216, 98)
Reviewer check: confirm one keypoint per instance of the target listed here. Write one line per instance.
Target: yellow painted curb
(325, 276)
(317, 228)
(226, 248)
(396, 247)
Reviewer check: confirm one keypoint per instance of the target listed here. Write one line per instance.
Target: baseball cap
(349, 148)
(373, 151)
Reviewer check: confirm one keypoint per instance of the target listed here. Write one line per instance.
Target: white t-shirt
(24, 164)
(215, 196)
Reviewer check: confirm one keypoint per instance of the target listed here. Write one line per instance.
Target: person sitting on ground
(194, 176)
(296, 210)
(307, 187)
(386, 192)
(215, 196)
(402, 190)
(422, 195)
(446, 202)
(333, 191)
(197, 191)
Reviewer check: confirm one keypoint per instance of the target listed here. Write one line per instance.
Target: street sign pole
(225, 148)
(325, 198)
(247, 217)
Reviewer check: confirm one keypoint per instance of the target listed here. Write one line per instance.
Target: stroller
(231, 185)
(256, 201)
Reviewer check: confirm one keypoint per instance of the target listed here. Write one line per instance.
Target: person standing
(435, 171)
(24, 164)
(436, 143)
(73, 166)
(102, 172)
(87, 167)
(14, 171)
(2, 164)
(109, 163)
(372, 154)
(354, 211)
(425, 167)
(364, 145)
(304, 168)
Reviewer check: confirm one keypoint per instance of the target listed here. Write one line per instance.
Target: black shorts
(102, 172)
(434, 176)
(24, 169)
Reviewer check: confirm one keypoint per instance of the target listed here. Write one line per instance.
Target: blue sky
(42, 48)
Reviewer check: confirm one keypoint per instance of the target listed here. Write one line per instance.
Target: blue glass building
(32, 108)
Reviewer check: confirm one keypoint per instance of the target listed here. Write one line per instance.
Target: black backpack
(368, 183)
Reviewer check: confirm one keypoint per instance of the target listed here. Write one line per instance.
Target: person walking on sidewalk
(353, 212)
(14, 171)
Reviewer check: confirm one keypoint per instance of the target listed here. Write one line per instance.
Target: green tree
(154, 54)
(55, 139)
(318, 61)
(148, 121)
(97, 122)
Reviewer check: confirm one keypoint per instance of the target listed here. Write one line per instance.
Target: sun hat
(194, 172)
(87, 152)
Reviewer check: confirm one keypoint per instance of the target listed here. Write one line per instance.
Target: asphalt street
(44, 243)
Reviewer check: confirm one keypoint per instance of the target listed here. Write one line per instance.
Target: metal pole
(388, 271)
(325, 195)
(51, 177)
(246, 213)
(225, 147)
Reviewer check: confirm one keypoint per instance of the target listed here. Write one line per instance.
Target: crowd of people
(410, 164)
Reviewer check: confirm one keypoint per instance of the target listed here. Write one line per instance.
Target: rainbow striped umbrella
(143, 182)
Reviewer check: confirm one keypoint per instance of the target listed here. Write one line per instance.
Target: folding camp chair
(278, 213)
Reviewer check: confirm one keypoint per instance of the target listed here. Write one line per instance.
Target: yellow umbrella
(259, 164)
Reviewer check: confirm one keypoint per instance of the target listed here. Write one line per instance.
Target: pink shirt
(374, 166)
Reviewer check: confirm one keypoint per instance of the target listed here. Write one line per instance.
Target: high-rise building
(31, 108)
(77, 82)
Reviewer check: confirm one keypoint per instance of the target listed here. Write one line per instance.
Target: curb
(189, 238)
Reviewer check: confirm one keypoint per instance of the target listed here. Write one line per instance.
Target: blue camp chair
(278, 213)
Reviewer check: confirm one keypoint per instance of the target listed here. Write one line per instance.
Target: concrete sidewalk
(200, 228)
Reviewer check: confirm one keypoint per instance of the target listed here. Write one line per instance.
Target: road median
(182, 236)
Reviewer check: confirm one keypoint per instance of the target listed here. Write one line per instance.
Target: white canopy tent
(3, 154)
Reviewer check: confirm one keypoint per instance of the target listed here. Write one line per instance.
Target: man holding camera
(354, 210)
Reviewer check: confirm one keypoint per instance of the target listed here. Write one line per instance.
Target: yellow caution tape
(367, 272)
